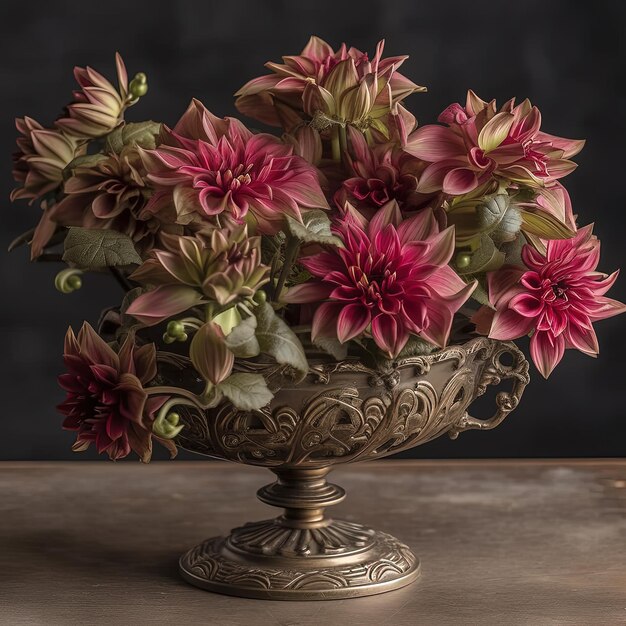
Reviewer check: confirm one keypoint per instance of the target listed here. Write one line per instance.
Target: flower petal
(163, 302)
(546, 351)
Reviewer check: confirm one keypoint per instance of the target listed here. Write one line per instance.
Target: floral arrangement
(354, 234)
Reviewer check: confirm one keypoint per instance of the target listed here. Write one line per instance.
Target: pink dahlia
(558, 296)
(343, 84)
(480, 142)
(391, 280)
(216, 169)
(378, 175)
(106, 402)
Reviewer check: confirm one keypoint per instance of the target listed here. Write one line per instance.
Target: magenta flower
(378, 175)
(391, 280)
(558, 297)
(216, 169)
(479, 143)
(106, 402)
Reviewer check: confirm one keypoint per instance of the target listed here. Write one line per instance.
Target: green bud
(138, 86)
(463, 260)
(260, 297)
(167, 338)
(75, 282)
(182, 337)
(175, 328)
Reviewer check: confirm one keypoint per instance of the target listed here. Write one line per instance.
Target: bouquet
(351, 233)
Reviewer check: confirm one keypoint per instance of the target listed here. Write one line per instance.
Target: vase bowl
(342, 412)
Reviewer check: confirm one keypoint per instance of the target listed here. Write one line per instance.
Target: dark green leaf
(315, 229)
(331, 346)
(242, 340)
(85, 161)
(416, 346)
(279, 341)
(142, 134)
(248, 392)
(92, 249)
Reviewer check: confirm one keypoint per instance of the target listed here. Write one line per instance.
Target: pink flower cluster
(372, 235)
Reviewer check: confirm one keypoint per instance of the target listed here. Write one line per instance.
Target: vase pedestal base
(270, 561)
(302, 554)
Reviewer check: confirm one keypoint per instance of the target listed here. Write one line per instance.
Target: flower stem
(335, 145)
(290, 254)
(119, 277)
(343, 142)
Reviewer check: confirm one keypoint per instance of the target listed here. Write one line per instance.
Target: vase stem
(304, 494)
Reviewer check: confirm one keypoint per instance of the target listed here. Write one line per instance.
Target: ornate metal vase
(341, 413)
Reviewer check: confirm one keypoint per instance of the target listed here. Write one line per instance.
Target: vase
(343, 412)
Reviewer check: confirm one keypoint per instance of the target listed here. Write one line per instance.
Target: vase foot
(271, 561)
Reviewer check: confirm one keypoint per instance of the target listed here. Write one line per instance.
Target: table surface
(501, 542)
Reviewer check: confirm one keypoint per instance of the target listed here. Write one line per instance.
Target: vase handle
(505, 362)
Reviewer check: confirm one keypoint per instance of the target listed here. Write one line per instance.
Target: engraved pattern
(271, 538)
(345, 411)
(388, 560)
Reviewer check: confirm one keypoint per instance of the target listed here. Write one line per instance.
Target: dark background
(568, 58)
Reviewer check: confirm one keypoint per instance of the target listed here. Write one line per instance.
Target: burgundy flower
(216, 169)
(557, 298)
(391, 280)
(106, 402)
(378, 175)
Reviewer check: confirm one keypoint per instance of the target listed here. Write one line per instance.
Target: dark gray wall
(567, 57)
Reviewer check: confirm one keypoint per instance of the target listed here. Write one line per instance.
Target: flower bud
(138, 86)
(463, 260)
(210, 354)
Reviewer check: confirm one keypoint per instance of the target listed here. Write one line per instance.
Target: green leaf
(141, 134)
(278, 340)
(85, 160)
(242, 340)
(248, 392)
(481, 292)
(416, 346)
(91, 249)
(315, 228)
(331, 346)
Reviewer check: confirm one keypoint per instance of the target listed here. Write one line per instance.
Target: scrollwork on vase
(342, 412)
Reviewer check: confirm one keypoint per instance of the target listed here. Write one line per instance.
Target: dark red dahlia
(106, 401)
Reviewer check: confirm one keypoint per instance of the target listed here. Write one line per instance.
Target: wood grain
(501, 542)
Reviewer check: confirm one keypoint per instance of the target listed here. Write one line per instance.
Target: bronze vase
(341, 413)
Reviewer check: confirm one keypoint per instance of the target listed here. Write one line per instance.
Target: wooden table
(501, 542)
